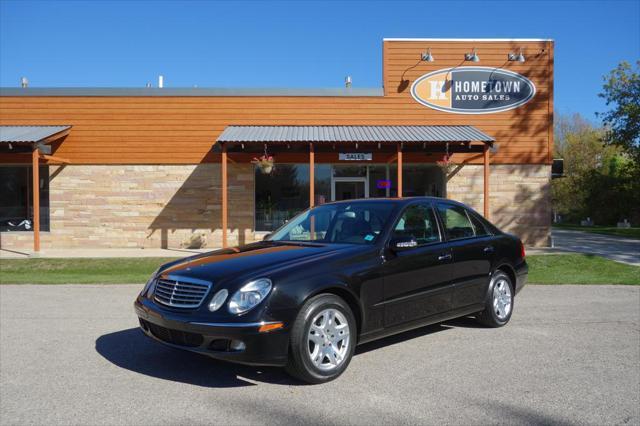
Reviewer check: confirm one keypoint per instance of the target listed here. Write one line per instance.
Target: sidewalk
(154, 252)
(101, 253)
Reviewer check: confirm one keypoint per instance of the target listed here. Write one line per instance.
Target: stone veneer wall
(520, 200)
(174, 206)
(143, 206)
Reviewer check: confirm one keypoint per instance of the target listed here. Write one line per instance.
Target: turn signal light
(270, 327)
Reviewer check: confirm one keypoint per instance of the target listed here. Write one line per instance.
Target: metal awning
(31, 134)
(376, 134)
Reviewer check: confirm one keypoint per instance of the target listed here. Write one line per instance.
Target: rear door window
(456, 222)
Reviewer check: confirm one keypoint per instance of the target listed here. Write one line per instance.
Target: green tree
(595, 182)
(621, 91)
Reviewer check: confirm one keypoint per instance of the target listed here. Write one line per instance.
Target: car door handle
(489, 249)
(444, 257)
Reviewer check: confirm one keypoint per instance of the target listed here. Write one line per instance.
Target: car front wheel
(499, 301)
(323, 339)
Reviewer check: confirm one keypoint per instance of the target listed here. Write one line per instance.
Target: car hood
(237, 262)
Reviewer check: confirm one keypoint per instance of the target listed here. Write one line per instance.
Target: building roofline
(195, 91)
(467, 39)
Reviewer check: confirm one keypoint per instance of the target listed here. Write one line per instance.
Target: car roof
(395, 200)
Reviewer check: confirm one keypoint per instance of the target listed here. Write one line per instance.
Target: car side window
(418, 222)
(478, 226)
(456, 222)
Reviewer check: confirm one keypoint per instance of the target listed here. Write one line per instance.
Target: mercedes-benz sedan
(333, 277)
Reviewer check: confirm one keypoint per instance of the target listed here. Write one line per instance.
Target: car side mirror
(403, 243)
(266, 237)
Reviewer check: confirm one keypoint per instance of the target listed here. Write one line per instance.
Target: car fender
(333, 285)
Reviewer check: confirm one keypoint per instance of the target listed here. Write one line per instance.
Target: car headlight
(249, 296)
(217, 300)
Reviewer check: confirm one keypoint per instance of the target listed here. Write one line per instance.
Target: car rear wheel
(499, 301)
(322, 339)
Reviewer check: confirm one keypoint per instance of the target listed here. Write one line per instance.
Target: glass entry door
(347, 188)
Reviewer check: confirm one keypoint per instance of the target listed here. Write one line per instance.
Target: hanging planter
(445, 164)
(265, 163)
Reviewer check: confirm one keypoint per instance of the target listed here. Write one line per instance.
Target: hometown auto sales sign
(473, 90)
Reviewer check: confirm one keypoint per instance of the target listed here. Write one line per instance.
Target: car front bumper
(214, 339)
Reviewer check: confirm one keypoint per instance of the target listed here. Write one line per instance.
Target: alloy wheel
(328, 339)
(502, 299)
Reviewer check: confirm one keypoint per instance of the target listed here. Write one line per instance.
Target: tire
(324, 357)
(497, 311)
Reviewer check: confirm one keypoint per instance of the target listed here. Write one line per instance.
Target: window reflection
(16, 199)
(284, 192)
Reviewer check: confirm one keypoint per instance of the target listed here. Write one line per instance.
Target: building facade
(162, 167)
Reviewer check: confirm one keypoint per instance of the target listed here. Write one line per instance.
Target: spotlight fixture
(473, 56)
(519, 57)
(427, 56)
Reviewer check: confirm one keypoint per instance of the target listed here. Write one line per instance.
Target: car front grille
(175, 337)
(180, 294)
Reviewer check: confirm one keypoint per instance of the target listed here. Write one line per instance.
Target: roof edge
(196, 91)
(467, 39)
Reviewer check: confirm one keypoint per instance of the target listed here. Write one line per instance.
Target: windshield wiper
(298, 243)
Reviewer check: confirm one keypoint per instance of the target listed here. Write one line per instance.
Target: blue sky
(295, 44)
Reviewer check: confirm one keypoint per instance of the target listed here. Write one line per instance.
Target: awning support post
(486, 181)
(36, 199)
(224, 195)
(399, 148)
(312, 172)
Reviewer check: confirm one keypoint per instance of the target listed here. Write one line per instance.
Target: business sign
(355, 156)
(473, 90)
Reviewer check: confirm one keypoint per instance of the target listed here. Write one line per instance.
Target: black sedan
(333, 277)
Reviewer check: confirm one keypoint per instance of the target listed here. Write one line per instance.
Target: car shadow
(130, 349)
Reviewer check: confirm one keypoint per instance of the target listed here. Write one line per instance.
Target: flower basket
(265, 163)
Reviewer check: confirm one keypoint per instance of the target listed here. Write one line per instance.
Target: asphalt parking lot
(571, 355)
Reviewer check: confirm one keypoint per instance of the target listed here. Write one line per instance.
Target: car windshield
(343, 223)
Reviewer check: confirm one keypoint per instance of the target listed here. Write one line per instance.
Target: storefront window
(16, 203)
(323, 183)
(381, 181)
(284, 192)
(349, 171)
(419, 180)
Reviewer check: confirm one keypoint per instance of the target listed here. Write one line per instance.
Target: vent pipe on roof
(160, 81)
(24, 82)
(347, 81)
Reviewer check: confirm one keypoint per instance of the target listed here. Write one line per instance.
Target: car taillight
(522, 253)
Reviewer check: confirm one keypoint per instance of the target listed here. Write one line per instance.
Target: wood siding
(182, 130)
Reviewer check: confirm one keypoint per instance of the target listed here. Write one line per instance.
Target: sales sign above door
(355, 156)
(473, 90)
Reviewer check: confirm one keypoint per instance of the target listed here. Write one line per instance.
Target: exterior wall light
(427, 56)
(473, 56)
(519, 57)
